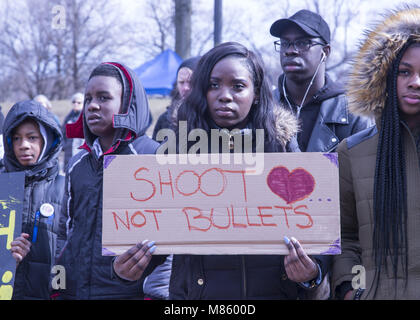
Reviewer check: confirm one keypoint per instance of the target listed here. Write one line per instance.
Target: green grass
(62, 107)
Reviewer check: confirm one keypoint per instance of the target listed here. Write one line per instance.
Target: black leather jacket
(333, 121)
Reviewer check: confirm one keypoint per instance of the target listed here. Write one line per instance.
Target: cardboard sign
(221, 205)
(11, 204)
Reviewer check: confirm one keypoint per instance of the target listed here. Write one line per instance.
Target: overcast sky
(254, 17)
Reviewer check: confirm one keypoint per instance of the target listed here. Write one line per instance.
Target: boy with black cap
(305, 87)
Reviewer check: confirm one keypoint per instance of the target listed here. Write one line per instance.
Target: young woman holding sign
(230, 90)
(379, 167)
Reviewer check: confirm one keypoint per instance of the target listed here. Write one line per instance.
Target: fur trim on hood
(367, 82)
(287, 125)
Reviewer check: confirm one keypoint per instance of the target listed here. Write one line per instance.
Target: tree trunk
(218, 21)
(183, 28)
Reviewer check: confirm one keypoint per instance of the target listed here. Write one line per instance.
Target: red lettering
(236, 225)
(117, 217)
(177, 182)
(152, 184)
(154, 215)
(285, 213)
(247, 219)
(166, 183)
(137, 225)
(199, 216)
(214, 224)
(243, 179)
(265, 216)
(223, 186)
(311, 222)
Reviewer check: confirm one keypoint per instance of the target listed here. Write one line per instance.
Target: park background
(50, 46)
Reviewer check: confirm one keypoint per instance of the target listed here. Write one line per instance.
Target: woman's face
(102, 101)
(183, 81)
(408, 86)
(231, 93)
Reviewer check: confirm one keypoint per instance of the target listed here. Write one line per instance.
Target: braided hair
(390, 190)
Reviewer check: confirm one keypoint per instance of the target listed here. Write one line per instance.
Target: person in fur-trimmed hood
(379, 167)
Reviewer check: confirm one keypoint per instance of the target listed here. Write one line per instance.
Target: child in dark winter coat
(32, 142)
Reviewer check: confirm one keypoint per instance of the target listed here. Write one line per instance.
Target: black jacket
(163, 122)
(43, 184)
(324, 119)
(239, 277)
(89, 275)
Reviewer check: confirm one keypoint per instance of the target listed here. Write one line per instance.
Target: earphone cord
(307, 90)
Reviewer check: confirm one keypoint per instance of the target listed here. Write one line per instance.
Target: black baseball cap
(310, 22)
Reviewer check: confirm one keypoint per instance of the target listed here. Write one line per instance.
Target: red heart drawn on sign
(291, 186)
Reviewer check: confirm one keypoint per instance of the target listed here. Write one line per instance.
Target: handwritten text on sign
(222, 208)
(11, 199)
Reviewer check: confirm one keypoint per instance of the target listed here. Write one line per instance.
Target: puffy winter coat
(357, 158)
(89, 275)
(43, 184)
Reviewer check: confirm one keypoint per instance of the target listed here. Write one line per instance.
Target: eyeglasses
(77, 102)
(300, 45)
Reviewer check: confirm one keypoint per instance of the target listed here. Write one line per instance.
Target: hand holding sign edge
(298, 265)
(131, 264)
(20, 247)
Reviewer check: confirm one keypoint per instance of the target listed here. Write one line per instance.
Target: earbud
(324, 56)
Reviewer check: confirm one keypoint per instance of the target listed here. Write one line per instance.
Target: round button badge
(47, 210)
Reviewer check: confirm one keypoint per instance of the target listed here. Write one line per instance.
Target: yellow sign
(11, 196)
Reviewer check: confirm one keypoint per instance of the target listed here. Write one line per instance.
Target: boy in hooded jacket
(32, 143)
(114, 120)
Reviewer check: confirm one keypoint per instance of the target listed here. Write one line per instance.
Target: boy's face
(27, 143)
(299, 65)
(102, 100)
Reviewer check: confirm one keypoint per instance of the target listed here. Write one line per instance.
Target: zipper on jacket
(244, 278)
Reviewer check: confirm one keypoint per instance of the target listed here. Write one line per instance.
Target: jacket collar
(335, 110)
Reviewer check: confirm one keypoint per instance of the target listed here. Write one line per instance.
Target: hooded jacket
(89, 275)
(43, 184)
(241, 277)
(357, 158)
(325, 119)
